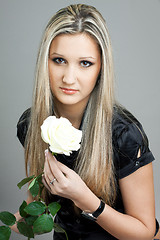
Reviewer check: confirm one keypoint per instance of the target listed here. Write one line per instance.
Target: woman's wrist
(95, 214)
(88, 201)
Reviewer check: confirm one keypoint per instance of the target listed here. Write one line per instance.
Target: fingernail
(45, 152)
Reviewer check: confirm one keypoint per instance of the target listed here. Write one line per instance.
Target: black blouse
(128, 137)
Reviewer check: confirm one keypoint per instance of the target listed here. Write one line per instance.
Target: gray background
(134, 26)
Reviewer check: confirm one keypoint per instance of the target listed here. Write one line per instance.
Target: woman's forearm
(123, 226)
(18, 216)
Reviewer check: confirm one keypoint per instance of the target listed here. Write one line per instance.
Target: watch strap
(99, 209)
(93, 216)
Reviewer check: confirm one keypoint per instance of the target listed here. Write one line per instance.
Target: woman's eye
(59, 60)
(86, 64)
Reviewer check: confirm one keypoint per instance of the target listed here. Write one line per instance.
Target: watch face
(89, 216)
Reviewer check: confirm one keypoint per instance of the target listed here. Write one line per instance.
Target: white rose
(61, 136)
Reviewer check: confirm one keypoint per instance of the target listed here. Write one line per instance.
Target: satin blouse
(128, 137)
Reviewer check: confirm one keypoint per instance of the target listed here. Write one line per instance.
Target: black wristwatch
(93, 216)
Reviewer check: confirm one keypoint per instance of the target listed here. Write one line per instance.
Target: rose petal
(62, 137)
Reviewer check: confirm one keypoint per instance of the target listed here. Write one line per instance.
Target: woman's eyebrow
(61, 55)
(54, 53)
(87, 57)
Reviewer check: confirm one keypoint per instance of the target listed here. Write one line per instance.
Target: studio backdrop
(134, 27)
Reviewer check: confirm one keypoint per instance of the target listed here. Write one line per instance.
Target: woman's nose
(69, 76)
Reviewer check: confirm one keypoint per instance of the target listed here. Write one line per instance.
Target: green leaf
(39, 177)
(40, 180)
(34, 190)
(24, 181)
(54, 208)
(41, 189)
(5, 233)
(35, 208)
(57, 228)
(25, 229)
(43, 224)
(32, 183)
(7, 218)
(21, 209)
(30, 220)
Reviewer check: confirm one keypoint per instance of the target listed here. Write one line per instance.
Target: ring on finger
(52, 181)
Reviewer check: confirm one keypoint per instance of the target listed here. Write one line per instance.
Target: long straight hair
(94, 163)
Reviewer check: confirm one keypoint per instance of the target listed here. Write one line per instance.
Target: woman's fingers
(46, 184)
(62, 180)
(55, 174)
(55, 169)
(47, 171)
(64, 169)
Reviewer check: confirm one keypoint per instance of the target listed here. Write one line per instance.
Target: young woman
(110, 179)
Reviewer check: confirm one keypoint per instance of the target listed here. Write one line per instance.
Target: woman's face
(74, 65)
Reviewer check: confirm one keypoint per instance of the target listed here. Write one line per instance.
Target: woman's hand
(67, 183)
(18, 216)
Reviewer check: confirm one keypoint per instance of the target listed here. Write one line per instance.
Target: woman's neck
(73, 113)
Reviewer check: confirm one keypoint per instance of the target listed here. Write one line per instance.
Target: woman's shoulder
(128, 139)
(22, 125)
(122, 120)
(125, 124)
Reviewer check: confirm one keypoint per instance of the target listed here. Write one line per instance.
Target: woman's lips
(68, 91)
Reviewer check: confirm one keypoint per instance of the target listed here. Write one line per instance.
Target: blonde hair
(94, 162)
